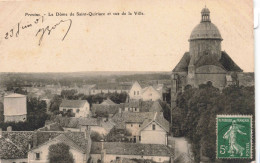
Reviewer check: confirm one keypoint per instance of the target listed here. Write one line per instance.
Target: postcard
(117, 81)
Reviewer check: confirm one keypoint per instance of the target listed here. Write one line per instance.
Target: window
(131, 125)
(77, 110)
(135, 109)
(139, 125)
(159, 159)
(137, 92)
(153, 127)
(139, 138)
(134, 92)
(37, 156)
(134, 139)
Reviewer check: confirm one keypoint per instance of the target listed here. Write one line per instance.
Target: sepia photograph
(117, 81)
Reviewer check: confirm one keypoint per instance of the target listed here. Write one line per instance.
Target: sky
(154, 41)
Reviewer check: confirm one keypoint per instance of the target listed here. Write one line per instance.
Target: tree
(55, 104)
(195, 114)
(60, 153)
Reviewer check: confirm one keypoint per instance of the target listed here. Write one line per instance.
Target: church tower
(205, 42)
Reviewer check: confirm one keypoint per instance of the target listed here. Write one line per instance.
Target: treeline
(195, 114)
(92, 99)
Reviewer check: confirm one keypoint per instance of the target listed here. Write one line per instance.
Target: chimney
(99, 121)
(1, 132)
(103, 153)
(119, 110)
(34, 143)
(87, 134)
(9, 128)
(29, 146)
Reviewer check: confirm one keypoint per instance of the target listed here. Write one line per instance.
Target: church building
(205, 61)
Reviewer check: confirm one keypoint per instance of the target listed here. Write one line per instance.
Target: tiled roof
(156, 107)
(73, 103)
(62, 138)
(130, 117)
(15, 144)
(88, 121)
(159, 119)
(107, 102)
(119, 148)
(73, 122)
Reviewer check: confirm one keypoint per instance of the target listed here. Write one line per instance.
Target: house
(117, 151)
(135, 91)
(108, 102)
(79, 108)
(98, 125)
(32, 146)
(142, 106)
(78, 149)
(139, 126)
(149, 93)
(158, 127)
(15, 108)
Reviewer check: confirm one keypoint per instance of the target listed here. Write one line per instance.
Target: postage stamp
(234, 136)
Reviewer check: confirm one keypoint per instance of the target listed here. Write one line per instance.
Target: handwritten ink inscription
(41, 31)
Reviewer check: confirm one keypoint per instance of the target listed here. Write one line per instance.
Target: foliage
(60, 153)
(36, 116)
(55, 104)
(69, 94)
(195, 114)
(95, 136)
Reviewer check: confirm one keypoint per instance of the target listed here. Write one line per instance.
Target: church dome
(206, 29)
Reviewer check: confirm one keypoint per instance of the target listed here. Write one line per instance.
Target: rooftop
(120, 148)
(73, 103)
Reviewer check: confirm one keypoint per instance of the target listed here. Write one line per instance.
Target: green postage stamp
(234, 136)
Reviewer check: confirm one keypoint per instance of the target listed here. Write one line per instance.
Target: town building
(117, 151)
(205, 62)
(139, 126)
(15, 108)
(155, 130)
(148, 93)
(142, 106)
(78, 108)
(32, 146)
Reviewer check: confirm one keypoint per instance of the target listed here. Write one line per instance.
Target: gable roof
(159, 119)
(120, 119)
(62, 138)
(136, 83)
(119, 148)
(15, 144)
(156, 107)
(108, 102)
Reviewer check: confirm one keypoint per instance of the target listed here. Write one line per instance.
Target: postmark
(234, 136)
